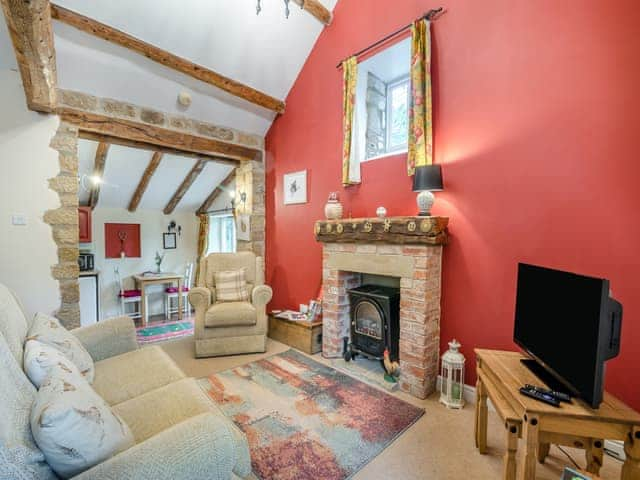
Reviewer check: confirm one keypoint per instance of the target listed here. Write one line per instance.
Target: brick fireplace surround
(408, 248)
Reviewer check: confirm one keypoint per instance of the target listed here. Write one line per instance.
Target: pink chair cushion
(175, 289)
(130, 293)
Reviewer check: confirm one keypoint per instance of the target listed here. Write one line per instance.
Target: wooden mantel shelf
(398, 230)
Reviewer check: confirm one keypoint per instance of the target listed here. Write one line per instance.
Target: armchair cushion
(126, 376)
(230, 314)
(48, 330)
(108, 338)
(231, 286)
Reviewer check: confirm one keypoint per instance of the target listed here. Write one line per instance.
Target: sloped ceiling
(263, 51)
(124, 167)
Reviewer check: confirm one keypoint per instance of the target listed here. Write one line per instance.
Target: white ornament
(381, 212)
(184, 99)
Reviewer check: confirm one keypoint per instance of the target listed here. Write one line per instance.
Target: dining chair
(129, 297)
(171, 295)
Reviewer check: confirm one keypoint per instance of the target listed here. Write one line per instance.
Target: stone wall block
(152, 116)
(79, 100)
(64, 184)
(118, 109)
(61, 216)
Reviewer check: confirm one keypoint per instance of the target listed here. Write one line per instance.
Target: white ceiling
(265, 52)
(124, 167)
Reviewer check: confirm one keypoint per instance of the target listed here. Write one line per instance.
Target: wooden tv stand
(500, 376)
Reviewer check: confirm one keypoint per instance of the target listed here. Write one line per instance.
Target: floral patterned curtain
(420, 109)
(203, 240)
(350, 165)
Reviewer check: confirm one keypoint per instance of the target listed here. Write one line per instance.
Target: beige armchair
(229, 328)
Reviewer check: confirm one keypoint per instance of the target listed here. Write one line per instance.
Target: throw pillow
(49, 331)
(231, 286)
(73, 426)
(39, 358)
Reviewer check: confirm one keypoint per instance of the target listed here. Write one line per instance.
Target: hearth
(375, 322)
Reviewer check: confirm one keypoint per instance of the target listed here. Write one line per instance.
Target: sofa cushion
(231, 286)
(40, 358)
(159, 409)
(230, 314)
(131, 374)
(73, 426)
(13, 323)
(48, 330)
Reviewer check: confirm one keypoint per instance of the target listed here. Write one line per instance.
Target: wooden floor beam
(118, 37)
(29, 24)
(184, 186)
(144, 181)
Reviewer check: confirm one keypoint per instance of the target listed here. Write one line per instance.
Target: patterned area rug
(307, 421)
(160, 332)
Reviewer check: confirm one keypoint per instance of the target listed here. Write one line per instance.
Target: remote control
(543, 397)
(563, 397)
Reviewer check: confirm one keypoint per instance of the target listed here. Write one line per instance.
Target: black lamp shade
(427, 178)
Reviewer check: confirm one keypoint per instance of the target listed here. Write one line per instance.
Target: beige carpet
(439, 446)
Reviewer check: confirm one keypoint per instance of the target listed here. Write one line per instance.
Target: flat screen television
(569, 325)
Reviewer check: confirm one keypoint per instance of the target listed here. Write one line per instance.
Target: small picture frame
(169, 241)
(295, 187)
(243, 227)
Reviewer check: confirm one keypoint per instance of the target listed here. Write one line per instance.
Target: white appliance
(89, 298)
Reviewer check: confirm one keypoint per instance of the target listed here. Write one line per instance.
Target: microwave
(85, 261)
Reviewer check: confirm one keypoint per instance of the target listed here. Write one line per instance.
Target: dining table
(144, 280)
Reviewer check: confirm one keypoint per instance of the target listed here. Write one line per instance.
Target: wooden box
(305, 336)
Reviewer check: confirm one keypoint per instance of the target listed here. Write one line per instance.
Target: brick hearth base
(419, 270)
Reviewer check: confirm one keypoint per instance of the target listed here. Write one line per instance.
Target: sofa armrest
(108, 338)
(261, 295)
(204, 447)
(200, 298)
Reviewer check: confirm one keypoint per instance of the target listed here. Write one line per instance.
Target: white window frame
(390, 86)
(234, 241)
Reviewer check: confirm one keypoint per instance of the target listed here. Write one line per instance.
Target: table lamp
(427, 179)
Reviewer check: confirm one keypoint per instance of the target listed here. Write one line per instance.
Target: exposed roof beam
(206, 205)
(165, 58)
(184, 186)
(144, 181)
(98, 173)
(150, 134)
(315, 8)
(29, 23)
(99, 137)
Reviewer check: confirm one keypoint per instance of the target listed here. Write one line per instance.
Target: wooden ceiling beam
(144, 181)
(152, 135)
(315, 8)
(118, 37)
(184, 186)
(206, 205)
(99, 137)
(98, 173)
(29, 24)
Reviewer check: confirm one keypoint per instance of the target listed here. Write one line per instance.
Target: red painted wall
(537, 128)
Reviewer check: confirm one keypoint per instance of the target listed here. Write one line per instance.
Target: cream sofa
(229, 328)
(179, 432)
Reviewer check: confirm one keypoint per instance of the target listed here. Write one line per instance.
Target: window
(222, 234)
(383, 101)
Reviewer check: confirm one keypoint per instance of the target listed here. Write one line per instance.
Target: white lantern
(452, 376)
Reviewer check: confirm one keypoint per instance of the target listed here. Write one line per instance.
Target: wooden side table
(305, 336)
(500, 376)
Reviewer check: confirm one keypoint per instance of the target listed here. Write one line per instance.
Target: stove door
(368, 320)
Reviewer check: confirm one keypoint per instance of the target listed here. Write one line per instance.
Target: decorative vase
(333, 208)
(381, 212)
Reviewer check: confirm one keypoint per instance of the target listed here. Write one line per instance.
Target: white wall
(153, 223)
(26, 162)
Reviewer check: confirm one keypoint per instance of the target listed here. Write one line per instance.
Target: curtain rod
(220, 210)
(430, 15)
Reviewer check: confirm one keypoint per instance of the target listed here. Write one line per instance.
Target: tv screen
(560, 320)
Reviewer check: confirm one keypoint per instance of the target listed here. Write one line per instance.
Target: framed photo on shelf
(169, 241)
(295, 187)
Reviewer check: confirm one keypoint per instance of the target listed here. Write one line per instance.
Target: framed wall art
(295, 187)
(169, 241)
(243, 227)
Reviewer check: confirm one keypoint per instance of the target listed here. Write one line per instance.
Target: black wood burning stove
(375, 322)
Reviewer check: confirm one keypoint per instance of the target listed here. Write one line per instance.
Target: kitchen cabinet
(84, 224)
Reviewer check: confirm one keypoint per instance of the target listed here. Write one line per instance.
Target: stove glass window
(368, 320)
